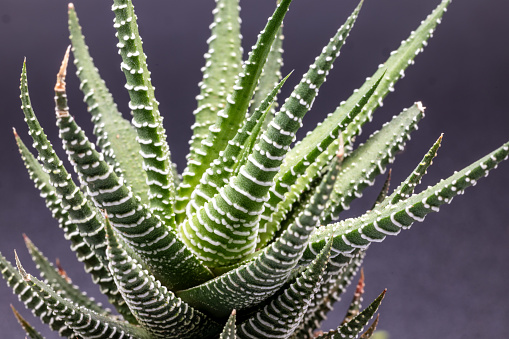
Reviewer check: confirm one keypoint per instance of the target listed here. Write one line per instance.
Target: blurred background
(446, 278)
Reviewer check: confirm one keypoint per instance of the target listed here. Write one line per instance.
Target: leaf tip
(60, 85)
(21, 270)
(420, 106)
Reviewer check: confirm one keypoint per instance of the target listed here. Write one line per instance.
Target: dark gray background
(446, 278)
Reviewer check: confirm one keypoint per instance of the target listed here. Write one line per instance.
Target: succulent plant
(245, 242)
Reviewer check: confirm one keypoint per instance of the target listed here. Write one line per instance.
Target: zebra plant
(245, 242)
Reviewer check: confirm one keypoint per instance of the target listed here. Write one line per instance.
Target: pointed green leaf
(146, 116)
(375, 225)
(115, 135)
(222, 65)
(83, 322)
(158, 309)
(230, 330)
(81, 212)
(230, 118)
(93, 264)
(406, 189)
(234, 213)
(59, 283)
(352, 329)
(295, 175)
(260, 278)
(393, 68)
(270, 321)
(32, 332)
(30, 299)
(371, 159)
(157, 245)
(223, 167)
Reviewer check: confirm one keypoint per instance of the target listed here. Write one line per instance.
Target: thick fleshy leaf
(146, 116)
(61, 283)
(375, 225)
(83, 322)
(392, 70)
(231, 117)
(93, 265)
(115, 135)
(225, 229)
(303, 170)
(81, 212)
(360, 169)
(280, 317)
(29, 329)
(30, 299)
(148, 236)
(263, 276)
(352, 329)
(231, 158)
(222, 65)
(154, 306)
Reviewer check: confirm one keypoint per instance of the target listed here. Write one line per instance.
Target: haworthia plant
(242, 243)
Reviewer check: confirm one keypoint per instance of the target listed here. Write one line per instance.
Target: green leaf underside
(158, 309)
(230, 118)
(158, 246)
(146, 117)
(230, 330)
(225, 229)
(222, 65)
(352, 329)
(29, 329)
(375, 225)
(392, 70)
(260, 278)
(74, 202)
(82, 213)
(271, 321)
(93, 265)
(83, 322)
(360, 169)
(337, 279)
(115, 135)
(230, 159)
(59, 283)
(31, 300)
